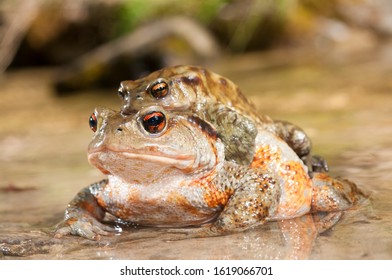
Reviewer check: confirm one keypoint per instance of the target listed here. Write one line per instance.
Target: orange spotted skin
(329, 194)
(264, 155)
(297, 188)
(214, 196)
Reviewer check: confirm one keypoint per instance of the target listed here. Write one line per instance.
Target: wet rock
(19, 241)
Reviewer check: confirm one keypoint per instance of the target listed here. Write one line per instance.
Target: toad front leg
(236, 131)
(255, 198)
(83, 215)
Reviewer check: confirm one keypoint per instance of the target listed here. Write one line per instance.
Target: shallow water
(344, 104)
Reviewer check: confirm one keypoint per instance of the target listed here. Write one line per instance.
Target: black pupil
(121, 93)
(154, 120)
(159, 90)
(93, 122)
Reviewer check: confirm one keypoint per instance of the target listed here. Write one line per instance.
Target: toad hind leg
(83, 215)
(300, 142)
(334, 194)
(293, 135)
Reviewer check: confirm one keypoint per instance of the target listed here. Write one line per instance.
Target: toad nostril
(119, 129)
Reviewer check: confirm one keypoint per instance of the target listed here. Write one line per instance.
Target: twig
(142, 39)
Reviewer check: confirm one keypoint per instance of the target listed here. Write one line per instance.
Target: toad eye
(154, 122)
(93, 122)
(160, 89)
(121, 93)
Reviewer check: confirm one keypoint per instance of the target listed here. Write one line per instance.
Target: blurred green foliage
(135, 12)
(238, 24)
(67, 29)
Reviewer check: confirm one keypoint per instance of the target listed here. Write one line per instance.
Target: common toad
(168, 169)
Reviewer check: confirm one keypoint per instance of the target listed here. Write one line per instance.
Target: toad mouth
(183, 162)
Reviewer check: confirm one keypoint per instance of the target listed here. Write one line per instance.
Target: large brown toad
(168, 169)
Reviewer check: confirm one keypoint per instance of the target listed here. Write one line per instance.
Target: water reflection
(288, 239)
